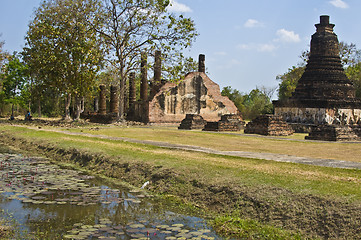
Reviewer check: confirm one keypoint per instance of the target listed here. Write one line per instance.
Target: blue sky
(246, 43)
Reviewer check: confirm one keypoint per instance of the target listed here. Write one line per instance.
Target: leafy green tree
(2, 60)
(236, 97)
(252, 104)
(288, 81)
(3, 55)
(354, 74)
(15, 80)
(63, 51)
(130, 27)
(179, 67)
(349, 54)
(257, 103)
(351, 59)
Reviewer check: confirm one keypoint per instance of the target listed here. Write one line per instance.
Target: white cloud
(220, 53)
(339, 3)
(234, 62)
(265, 47)
(229, 65)
(252, 23)
(287, 36)
(175, 6)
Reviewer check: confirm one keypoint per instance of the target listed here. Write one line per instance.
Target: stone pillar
(201, 63)
(114, 99)
(157, 67)
(132, 89)
(144, 78)
(102, 100)
(125, 97)
(144, 114)
(157, 73)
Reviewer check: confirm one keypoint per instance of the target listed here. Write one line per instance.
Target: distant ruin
(167, 102)
(324, 95)
(170, 102)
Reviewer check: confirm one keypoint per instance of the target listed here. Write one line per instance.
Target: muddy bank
(311, 215)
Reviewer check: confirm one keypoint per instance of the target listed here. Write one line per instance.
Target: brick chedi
(269, 125)
(324, 94)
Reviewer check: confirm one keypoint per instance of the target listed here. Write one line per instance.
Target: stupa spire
(324, 77)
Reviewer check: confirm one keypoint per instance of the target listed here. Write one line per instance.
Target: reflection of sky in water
(111, 208)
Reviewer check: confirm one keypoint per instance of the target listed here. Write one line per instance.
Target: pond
(51, 202)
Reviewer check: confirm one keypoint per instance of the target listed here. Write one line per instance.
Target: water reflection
(60, 203)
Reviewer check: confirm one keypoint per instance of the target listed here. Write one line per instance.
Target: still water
(50, 202)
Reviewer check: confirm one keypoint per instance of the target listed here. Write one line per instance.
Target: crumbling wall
(341, 116)
(196, 94)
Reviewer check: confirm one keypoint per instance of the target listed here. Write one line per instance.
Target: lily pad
(162, 226)
(196, 233)
(178, 225)
(174, 229)
(136, 226)
(69, 236)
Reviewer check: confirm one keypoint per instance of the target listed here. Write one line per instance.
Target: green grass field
(291, 145)
(296, 177)
(258, 176)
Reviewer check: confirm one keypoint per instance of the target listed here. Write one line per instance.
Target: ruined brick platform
(269, 125)
(192, 121)
(100, 118)
(228, 123)
(328, 132)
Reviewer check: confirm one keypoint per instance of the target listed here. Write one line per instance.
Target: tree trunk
(39, 108)
(67, 107)
(12, 110)
(78, 101)
(121, 98)
(82, 104)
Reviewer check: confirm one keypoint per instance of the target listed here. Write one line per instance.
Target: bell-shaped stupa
(324, 81)
(323, 94)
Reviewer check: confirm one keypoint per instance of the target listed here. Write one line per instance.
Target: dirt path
(266, 156)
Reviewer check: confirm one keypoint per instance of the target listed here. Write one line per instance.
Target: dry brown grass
(291, 146)
(197, 160)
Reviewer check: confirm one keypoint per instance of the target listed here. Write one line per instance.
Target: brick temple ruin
(324, 95)
(228, 123)
(195, 94)
(269, 125)
(167, 102)
(192, 121)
